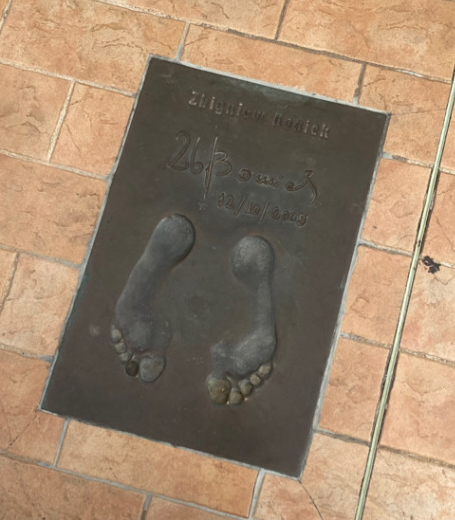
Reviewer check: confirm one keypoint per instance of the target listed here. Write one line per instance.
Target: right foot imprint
(140, 334)
(239, 368)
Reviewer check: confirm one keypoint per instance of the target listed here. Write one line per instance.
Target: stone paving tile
(6, 265)
(36, 306)
(353, 393)
(258, 17)
(375, 295)
(396, 205)
(415, 35)
(93, 129)
(417, 106)
(158, 468)
(87, 40)
(427, 327)
(278, 64)
(329, 488)
(403, 487)
(30, 106)
(46, 210)
(440, 237)
(421, 412)
(165, 510)
(36, 493)
(23, 429)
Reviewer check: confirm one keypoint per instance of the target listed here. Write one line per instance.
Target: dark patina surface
(232, 159)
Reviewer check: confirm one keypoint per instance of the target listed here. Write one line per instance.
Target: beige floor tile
(417, 106)
(252, 16)
(421, 412)
(46, 210)
(440, 238)
(87, 40)
(278, 64)
(428, 328)
(93, 129)
(158, 468)
(32, 492)
(375, 295)
(354, 387)
(6, 265)
(165, 510)
(329, 489)
(23, 429)
(30, 106)
(415, 35)
(403, 487)
(396, 205)
(36, 306)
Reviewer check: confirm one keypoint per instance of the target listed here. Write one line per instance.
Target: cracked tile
(396, 205)
(421, 412)
(28, 491)
(440, 237)
(417, 106)
(87, 40)
(176, 473)
(252, 16)
(403, 487)
(30, 106)
(278, 64)
(36, 306)
(46, 210)
(93, 129)
(329, 488)
(415, 35)
(378, 277)
(24, 430)
(354, 387)
(427, 328)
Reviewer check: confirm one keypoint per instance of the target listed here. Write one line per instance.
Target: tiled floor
(69, 73)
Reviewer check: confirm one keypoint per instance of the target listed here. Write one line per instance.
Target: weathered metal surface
(211, 296)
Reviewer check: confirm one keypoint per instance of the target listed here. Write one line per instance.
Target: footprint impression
(140, 334)
(238, 368)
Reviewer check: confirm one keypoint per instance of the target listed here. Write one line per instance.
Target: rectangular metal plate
(274, 185)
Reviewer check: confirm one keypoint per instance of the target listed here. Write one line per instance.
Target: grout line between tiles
(54, 260)
(256, 493)
(358, 90)
(5, 14)
(44, 72)
(34, 160)
(14, 350)
(281, 19)
(181, 48)
(365, 341)
(61, 118)
(341, 437)
(147, 502)
(386, 155)
(393, 360)
(60, 444)
(421, 458)
(428, 357)
(384, 249)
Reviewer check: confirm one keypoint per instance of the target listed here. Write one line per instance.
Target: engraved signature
(184, 160)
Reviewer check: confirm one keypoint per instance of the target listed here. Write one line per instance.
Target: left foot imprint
(239, 368)
(140, 334)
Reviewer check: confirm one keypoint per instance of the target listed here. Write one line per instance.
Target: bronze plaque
(210, 299)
